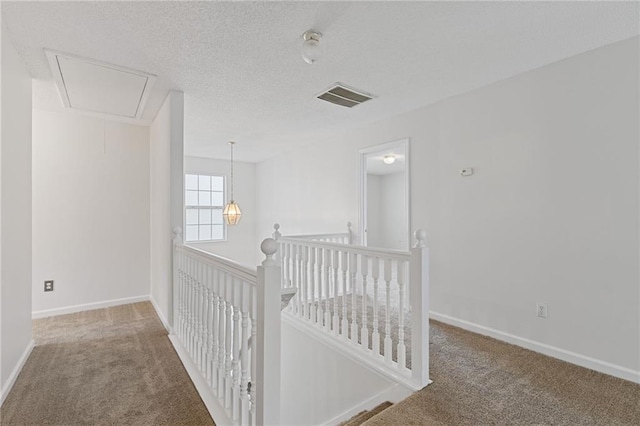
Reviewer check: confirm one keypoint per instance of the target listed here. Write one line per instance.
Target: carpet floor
(113, 366)
(116, 366)
(478, 380)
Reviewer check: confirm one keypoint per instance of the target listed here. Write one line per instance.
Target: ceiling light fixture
(231, 212)
(389, 159)
(311, 49)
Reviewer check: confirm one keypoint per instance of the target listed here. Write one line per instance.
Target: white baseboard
(552, 351)
(217, 412)
(16, 371)
(88, 306)
(163, 320)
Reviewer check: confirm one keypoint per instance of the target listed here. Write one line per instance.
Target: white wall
(339, 386)
(241, 245)
(550, 215)
(375, 224)
(386, 214)
(15, 214)
(166, 171)
(393, 211)
(90, 210)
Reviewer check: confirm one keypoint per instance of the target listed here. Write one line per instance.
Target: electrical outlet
(48, 285)
(541, 310)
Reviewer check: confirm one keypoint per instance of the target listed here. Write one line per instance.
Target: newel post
(350, 232)
(268, 338)
(175, 296)
(419, 287)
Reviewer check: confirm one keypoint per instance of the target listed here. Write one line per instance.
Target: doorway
(384, 196)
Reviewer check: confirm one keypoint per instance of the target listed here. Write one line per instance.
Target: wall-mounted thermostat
(466, 172)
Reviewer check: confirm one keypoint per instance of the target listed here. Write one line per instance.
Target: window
(204, 202)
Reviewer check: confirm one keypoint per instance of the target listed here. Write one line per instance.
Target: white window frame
(198, 207)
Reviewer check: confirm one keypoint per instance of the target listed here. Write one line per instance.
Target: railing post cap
(269, 246)
(348, 224)
(421, 237)
(276, 226)
(177, 230)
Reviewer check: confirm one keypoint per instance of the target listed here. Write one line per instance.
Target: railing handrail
(366, 251)
(223, 263)
(307, 236)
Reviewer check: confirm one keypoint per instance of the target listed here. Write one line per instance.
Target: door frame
(362, 184)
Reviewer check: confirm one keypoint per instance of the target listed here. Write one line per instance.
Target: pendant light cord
(231, 143)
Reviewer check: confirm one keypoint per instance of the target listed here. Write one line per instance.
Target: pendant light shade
(231, 212)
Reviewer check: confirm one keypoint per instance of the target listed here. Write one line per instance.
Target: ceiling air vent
(339, 94)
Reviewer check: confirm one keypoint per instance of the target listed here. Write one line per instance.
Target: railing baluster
(209, 327)
(387, 308)
(375, 335)
(254, 360)
(336, 265)
(312, 282)
(235, 364)
(321, 292)
(344, 328)
(199, 306)
(191, 308)
(221, 334)
(353, 268)
(304, 287)
(327, 285)
(216, 330)
(364, 270)
(228, 346)
(244, 360)
(402, 351)
(296, 277)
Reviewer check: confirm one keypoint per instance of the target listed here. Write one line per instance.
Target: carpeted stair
(362, 417)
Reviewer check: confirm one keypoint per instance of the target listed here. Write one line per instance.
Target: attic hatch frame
(56, 71)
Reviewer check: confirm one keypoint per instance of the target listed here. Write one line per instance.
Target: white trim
(395, 394)
(552, 351)
(163, 320)
(56, 72)
(216, 411)
(16, 371)
(88, 306)
(362, 358)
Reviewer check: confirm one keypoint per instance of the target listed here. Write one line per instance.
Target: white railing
(338, 237)
(359, 296)
(227, 319)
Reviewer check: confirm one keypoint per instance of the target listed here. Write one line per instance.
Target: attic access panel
(98, 87)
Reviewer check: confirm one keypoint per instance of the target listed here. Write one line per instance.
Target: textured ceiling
(240, 68)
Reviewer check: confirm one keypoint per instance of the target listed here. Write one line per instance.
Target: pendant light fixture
(231, 212)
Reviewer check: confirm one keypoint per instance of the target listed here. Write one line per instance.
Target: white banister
(362, 296)
(227, 321)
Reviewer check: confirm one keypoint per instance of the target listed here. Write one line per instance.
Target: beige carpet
(116, 366)
(481, 381)
(111, 366)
